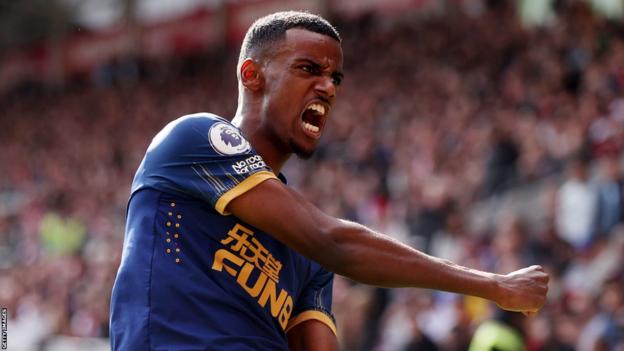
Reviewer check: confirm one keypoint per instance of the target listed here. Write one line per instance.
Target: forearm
(377, 259)
(357, 252)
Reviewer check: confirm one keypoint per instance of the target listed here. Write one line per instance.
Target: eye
(337, 80)
(307, 68)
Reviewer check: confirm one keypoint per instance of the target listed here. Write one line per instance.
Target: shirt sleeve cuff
(242, 188)
(320, 316)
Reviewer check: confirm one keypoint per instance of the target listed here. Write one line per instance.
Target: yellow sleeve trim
(307, 315)
(242, 188)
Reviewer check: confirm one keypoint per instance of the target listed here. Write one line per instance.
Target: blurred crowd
(435, 115)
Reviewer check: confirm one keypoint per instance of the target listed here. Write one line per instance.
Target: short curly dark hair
(271, 28)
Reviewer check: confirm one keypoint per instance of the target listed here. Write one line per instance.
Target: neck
(261, 140)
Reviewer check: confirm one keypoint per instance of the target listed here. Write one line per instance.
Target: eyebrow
(338, 75)
(334, 74)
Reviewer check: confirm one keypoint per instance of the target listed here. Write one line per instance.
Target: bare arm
(312, 335)
(361, 254)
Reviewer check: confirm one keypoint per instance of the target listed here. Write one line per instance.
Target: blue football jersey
(193, 277)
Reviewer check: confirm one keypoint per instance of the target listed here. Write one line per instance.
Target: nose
(325, 86)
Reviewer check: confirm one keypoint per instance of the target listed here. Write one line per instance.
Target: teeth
(310, 127)
(320, 109)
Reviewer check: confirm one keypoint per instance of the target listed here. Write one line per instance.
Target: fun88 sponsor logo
(248, 165)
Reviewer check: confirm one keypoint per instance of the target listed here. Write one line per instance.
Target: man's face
(301, 79)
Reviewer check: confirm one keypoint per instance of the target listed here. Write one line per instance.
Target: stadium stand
(494, 148)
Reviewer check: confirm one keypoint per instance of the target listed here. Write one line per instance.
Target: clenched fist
(523, 290)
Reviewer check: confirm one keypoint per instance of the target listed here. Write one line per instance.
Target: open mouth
(312, 119)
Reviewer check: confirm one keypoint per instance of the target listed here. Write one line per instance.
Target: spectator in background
(430, 216)
(605, 331)
(451, 242)
(511, 244)
(501, 164)
(610, 195)
(576, 206)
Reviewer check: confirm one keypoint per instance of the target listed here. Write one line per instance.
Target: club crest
(227, 140)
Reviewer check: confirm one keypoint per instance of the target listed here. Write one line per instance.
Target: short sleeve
(202, 156)
(315, 302)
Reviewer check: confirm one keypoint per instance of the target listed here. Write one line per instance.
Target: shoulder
(193, 122)
(203, 129)
(205, 118)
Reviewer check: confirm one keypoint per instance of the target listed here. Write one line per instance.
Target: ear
(251, 75)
